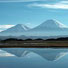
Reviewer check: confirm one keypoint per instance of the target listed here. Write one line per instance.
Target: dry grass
(34, 44)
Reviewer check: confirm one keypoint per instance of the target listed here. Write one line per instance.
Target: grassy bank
(33, 44)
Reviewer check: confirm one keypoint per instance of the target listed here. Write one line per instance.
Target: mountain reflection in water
(46, 53)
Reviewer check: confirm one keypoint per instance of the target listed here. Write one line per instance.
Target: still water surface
(33, 58)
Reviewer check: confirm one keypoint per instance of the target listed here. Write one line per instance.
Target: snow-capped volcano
(15, 30)
(49, 28)
(50, 25)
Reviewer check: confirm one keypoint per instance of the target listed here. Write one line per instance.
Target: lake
(33, 58)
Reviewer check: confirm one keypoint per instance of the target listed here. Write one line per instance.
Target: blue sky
(32, 12)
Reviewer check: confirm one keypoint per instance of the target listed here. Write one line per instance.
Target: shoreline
(34, 47)
(35, 44)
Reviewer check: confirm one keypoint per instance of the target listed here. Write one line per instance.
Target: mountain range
(49, 28)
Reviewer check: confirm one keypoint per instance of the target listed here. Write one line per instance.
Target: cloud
(6, 26)
(64, 2)
(3, 27)
(23, 0)
(59, 5)
(16, 0)
(5, 54)
(1, 30)
(20, 0)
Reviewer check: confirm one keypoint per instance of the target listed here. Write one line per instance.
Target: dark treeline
(58, 39)
(14, 39)
(38, 39)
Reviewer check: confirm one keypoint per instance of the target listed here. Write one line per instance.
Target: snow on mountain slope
(49, 28)
(15, 30)
(50, 25)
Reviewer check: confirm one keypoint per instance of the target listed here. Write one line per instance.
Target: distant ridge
(15, 30)
(48, 29)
